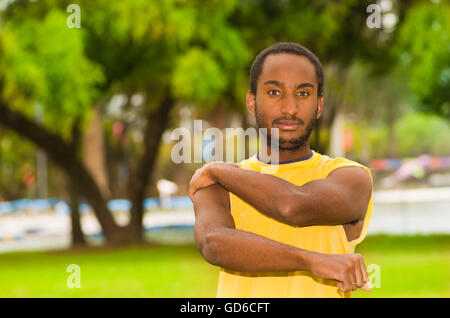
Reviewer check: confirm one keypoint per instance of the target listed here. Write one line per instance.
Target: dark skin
(286, 91)
(221, 244)
(287, 99)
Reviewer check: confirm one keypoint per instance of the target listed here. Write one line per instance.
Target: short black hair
(285, 47)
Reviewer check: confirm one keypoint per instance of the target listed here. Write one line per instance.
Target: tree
(16, 159)
(143, 47)
(167, 52)
(423, 50)
(335, 31)
(42, 61)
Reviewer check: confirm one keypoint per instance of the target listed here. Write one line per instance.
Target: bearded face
(288, 143)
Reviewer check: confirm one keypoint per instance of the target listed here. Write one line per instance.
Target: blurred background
(90, 92)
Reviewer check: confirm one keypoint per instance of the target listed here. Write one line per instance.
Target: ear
(319, 107)
(250, 99)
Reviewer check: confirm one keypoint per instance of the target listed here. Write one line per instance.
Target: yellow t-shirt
(322, 239)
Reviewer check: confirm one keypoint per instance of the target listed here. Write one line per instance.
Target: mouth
(288, 125)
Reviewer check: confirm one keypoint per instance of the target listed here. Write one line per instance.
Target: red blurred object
(378, 164)
(435, 163)
(28, 179)
(117, 129)
(348, 139)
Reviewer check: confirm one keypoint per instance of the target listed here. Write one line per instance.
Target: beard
(284, 144)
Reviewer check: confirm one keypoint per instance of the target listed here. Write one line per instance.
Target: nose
(289, 106)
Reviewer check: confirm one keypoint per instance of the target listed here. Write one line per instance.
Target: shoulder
(331, 164)
(345, 171)
(351, 175)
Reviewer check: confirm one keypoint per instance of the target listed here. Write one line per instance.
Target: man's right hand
(348, 269)
(203, 176)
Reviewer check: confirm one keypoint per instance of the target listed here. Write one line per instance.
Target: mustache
(294, 119)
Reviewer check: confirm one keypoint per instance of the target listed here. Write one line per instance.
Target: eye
(273, 92)
(303, 93)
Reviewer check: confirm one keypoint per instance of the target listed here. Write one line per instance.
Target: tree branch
(64, 155)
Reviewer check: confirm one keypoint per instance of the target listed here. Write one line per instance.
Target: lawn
(413, 266)
(410, 266)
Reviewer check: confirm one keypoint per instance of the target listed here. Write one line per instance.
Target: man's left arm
(340, 198)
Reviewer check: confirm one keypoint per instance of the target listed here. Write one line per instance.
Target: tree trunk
(336, 135)
(333, 101)
(1, 163)
(316, 142)
(64, 156)
(77, 232)
(74, 197)
(93, 152)
(156, 124)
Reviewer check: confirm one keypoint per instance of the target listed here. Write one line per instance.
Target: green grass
(161, 271)
(413, 266)
(410, 266)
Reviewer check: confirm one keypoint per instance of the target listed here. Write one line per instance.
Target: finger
(193, 187)
(346, 284)
(359, 272)
(364, 270)
(194, 183)
(352, 275)
(232, 164)
(367, 286)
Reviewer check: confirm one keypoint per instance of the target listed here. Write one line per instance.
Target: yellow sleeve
(343, 162)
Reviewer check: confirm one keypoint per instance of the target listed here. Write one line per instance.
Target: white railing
(411, 211)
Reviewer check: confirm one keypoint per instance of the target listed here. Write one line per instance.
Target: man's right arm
(221, 244)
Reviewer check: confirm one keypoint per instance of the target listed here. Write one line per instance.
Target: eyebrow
(282, 84)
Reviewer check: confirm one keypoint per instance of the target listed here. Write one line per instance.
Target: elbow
(290, 213)
(291, 216)
(211, 247)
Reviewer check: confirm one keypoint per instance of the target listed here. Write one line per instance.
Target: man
(292, 232)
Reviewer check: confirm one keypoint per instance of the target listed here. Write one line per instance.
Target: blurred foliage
(44, 62)
(150, 48)
(137, 46)
(418, 133)
(375, 98)
(424, 53)
(146, 45)
(414, 134)
(17, 160)
(200, 65)
(200, 52)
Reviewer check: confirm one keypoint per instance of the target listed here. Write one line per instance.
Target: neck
(285, 155)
